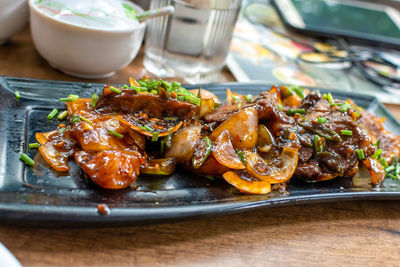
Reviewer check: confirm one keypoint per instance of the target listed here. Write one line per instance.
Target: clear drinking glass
(193, 42)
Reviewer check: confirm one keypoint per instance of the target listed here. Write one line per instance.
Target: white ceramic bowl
(84, 51)
(13, 18)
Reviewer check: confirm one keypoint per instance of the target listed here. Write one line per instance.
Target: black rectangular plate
(68, 199)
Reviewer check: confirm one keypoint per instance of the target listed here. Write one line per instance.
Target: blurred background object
(193, 42)
(13, 18)
(89, 39)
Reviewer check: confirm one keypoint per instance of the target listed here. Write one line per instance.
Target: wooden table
(346, 233)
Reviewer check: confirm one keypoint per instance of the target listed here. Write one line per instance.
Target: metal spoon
(163, 11)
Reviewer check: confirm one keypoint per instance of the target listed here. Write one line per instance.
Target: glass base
(162, 71)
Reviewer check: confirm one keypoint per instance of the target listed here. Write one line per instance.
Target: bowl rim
(35, 9)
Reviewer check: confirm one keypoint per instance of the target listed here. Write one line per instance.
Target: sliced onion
(376, 170)
(264, 136)
(164, 166)
(246, 185)
(146, 132)
(242, 127)
(183, 143)
(270, 172)
(42, 138)
(206, 106)
(292, 101)
(224, 152)
(205, 94)
(57, 160)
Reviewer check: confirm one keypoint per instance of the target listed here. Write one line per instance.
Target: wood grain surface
(360, 233)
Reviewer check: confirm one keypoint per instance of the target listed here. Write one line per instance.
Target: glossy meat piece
(339, 156)
(265, 104)
(389, 143)
(111, 169)
(153, 105)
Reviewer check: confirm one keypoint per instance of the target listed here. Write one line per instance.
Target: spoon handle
(163, 11)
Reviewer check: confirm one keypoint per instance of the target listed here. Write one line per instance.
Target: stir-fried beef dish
(253, 142)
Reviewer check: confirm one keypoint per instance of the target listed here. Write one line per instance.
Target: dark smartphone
(358, 22)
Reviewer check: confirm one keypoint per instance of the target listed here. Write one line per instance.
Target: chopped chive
(95, 98)
(52, 114)
(322, 120)
(25, 158)
(153, 92)
(147, 128)
(162, 145)
(17, 95)
(125, 86)
(62, 115)
(280, 107)
(389, 169)
(112, 88)
(345, 107)
(84, 119)
(171, 118)
(383, 162)
(154, 138)
(138, 88)
(325, 96)
(360, 154)
(346, 132)
(62, 130)
(33, 145)
(330, 99)
(318, 146)
(392, 176)
(165, 84)
(237, 98)
(113, 133)
(377, 153)
(294, 111)
(241, 156)
(299, 90)
(74, 96)
(357, 114)
(75, 119)
(378, 144)
(66, 99)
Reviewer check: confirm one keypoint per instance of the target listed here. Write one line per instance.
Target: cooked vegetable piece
(376, 170)
(273, 172)
(242, 127)
(246, 185)
(111, 169)
(164, 166)
(183, 143)
(202, 151)
(224, 152)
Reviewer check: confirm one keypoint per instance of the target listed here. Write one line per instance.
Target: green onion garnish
(94, 100)
(113, 133)
(280, 107)
(147, 128)
(17, 95)
(377, 153)
(294, 111)
(153, 92)
(299, 90)
(241, 156)
(171, 118)
(112, 88)
(390, 168)
(52, 114)
(63, 129)
(125, 86)
(154, 138)
(62, 115)
(75, 119)
(383, 162)
(74, 96)
(33, 145)
(66, 99)
(330, 99)
(25, 158)
(162, 145)
(360, 154)
(345, 107)
(165, 84)
(346, 132)
(318, 145)
(84, 119)
(322, 120)
(193, 99)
